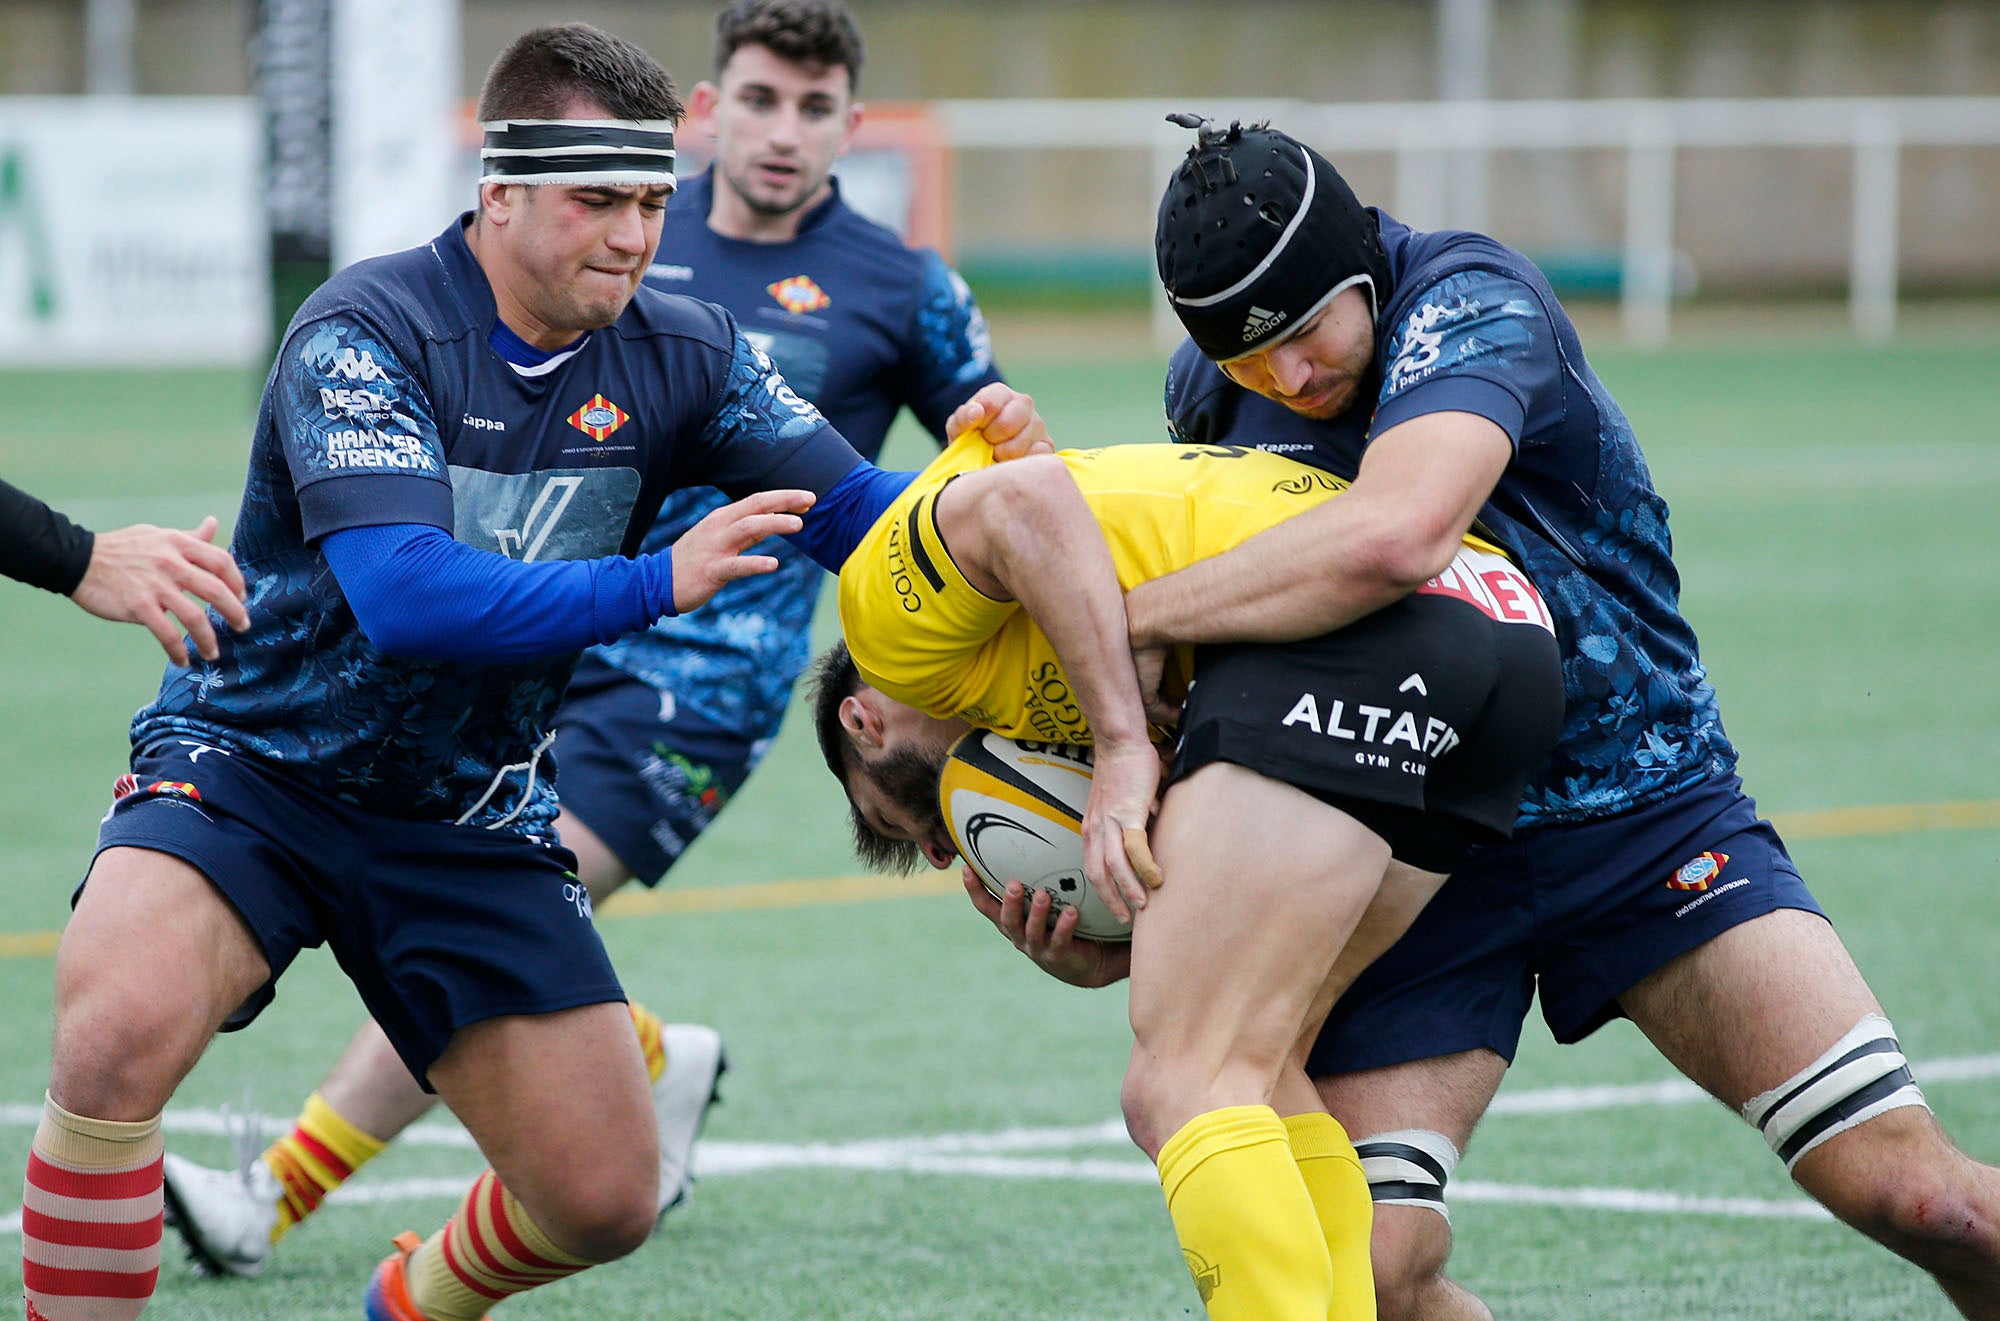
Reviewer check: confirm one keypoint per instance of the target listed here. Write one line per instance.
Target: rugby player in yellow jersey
(1318, 795)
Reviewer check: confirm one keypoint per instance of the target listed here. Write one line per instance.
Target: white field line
(994, 1155)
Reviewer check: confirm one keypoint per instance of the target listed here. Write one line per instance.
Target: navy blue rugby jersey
(386, 405)
(861, 325)
(1472, 326)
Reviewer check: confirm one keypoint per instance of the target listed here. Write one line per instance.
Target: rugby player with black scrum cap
(1439, 373)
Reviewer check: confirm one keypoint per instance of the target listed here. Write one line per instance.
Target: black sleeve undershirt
(38, 546)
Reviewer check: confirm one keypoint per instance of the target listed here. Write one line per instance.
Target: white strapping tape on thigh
(1863, 1075)
(1408, 1167)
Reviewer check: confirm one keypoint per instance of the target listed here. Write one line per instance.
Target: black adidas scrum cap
(1256, 233)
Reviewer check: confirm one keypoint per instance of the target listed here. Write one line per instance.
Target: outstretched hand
(709, 555)
(152, 575)
(1024, 918)
(1012, 426)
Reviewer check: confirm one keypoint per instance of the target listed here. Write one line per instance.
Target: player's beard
(908, 777)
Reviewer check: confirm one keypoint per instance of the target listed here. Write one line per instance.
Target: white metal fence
(1440, 150)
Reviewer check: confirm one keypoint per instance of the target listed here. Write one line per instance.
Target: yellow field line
(1832, 823)
(780, 894)
(1888, 819)
(27, 944)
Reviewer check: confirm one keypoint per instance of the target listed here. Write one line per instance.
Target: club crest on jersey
(174, 789)
(1698, 871)
(798, 295)
(1207, 1278)
(599, 418)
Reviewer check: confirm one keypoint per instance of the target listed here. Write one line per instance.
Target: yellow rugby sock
(651, 1046)
(1339, 1191)
(490, 1250)
(1247, 1226)
(320, 1153)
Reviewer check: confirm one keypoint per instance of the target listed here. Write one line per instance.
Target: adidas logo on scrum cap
(1261, 323)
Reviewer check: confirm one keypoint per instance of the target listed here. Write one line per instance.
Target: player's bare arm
(1022, 531)
(1419, 487)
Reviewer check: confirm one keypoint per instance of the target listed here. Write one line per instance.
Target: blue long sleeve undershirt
(418, 593)
(841, 517)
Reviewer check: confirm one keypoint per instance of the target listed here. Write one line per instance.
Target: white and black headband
(609, 152)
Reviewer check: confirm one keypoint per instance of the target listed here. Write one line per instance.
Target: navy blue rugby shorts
(645, 774)
(1578, 913)
(437, 925)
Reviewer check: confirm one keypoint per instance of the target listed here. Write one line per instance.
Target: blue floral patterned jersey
(388, 405)
(1472, 326)
(860, 324)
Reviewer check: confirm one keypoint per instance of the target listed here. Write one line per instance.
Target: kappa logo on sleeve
(352, 366)
(1419, 346)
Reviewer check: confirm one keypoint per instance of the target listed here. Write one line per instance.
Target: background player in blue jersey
(458, 448)
(137, 575)
(1438, 372)
(659, 728)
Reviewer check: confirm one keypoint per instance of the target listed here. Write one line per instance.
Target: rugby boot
(388, 1296)
(681, 1098)
(225, 1217)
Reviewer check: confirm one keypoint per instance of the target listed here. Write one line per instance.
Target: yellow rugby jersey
(922, 634)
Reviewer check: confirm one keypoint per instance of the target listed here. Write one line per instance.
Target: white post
(1877, 195)
(1423, 164)
(397, 170)
(1169, 145)
(1647, 283)
(109, 38)
(1465, 59)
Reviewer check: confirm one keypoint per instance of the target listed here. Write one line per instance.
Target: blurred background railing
(168, 164)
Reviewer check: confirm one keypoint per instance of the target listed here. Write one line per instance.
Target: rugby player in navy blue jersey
(659, 728)
(134, 575)
(1439, 373)
(458, 448)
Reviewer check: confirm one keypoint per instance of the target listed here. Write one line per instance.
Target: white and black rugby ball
(1015, 811)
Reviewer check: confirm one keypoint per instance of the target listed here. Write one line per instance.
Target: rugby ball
(1015, 811)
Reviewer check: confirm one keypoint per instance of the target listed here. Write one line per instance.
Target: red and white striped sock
(90, 1218)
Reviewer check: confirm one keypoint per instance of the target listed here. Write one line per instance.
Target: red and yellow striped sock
(91, 1217)
(322, 1151)
(490, 1250)
(650, 1044)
